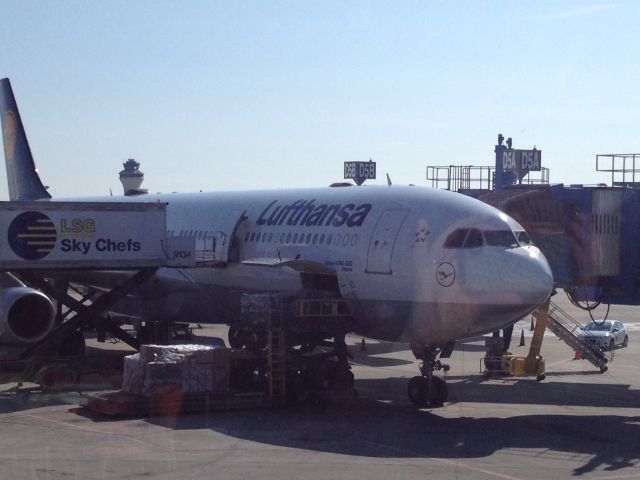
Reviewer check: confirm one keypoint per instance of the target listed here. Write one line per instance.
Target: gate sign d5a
(522, 161)
(360, 171)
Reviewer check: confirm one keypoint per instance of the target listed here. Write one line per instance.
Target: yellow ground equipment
(508, 364)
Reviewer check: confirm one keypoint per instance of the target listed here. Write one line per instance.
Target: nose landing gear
(427, 390)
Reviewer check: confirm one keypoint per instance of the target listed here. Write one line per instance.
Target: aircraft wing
(306, 266)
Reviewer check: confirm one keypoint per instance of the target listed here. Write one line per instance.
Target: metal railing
(624, 168)
(570, 331)
(461, 177)
(469, 177)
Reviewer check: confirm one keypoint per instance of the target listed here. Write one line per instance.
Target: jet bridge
(588, 233)
(47, 243)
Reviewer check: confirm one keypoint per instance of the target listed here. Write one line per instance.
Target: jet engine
(26, 315)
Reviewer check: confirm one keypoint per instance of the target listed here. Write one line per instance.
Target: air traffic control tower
(132, 177)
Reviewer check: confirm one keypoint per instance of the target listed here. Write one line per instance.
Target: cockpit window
(464, 238)
(456, 238)
(501, 238)
(523, 238)
(474, 239)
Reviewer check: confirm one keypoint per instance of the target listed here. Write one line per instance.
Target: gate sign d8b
(360, 171)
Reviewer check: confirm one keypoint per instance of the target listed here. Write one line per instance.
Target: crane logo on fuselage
(307, 213)
(446, 274)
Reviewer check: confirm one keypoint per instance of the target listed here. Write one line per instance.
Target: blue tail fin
(24, 182)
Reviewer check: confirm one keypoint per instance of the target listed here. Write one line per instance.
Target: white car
(606, 334)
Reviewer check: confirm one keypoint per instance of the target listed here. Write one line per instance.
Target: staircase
(277, 352)
(570, 331)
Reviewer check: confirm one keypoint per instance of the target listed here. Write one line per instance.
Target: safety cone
(578, 355)
(521, 338)
(363, 346)
(533, 326)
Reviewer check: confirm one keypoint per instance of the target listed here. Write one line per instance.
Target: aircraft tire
(236, 337)
(252, 340)
(344, 379)
(438, 392)
(418, 390)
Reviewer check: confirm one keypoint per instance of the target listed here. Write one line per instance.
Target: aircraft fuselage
(381, 248)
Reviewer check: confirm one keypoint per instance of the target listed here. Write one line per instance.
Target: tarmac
(576, 423)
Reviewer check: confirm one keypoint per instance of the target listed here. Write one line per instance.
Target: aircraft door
(220, 247)
(383, 241)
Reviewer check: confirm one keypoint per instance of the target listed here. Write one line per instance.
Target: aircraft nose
(530, 277)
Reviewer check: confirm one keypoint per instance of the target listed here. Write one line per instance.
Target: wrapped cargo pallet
(186, 368)
(206, 371)
(133, 374)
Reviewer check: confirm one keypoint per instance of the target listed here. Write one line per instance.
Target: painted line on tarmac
(86, 429)
(631, 475)
(452, 463)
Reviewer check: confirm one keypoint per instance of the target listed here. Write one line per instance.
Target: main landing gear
(427, 390)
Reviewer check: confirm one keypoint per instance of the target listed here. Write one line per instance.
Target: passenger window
(474, 239)
(456, 238)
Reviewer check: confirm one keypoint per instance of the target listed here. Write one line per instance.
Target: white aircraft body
(416, 264)
(391, 251)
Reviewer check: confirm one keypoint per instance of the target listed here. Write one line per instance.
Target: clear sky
(242, 94)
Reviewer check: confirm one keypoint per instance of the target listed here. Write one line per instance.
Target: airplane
(416, 264)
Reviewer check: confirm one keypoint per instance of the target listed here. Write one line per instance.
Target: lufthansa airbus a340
(415, 264)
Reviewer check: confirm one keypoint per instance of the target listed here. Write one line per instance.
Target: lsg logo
(32, 235)
(77, 225)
